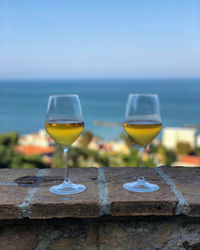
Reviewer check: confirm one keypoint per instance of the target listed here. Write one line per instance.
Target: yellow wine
(142, 132)
(64, 132)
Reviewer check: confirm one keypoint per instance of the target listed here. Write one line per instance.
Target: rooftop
(34, 150)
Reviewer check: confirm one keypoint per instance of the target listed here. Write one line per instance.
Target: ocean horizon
(23, 103)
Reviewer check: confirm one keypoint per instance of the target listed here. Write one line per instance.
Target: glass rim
(64, 95)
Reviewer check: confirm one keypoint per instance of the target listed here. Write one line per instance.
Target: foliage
(58, 157)
(127, 140)
(84, 157)
(166, 156)
(80, 157)
(183, 148)
(9, 139)
(131, 160)
(153, 148)
(116, 160)
(198, 151)
(150, 162)
(162, 154)
(6, 156)
(23, 161)
(170, 157)
(9, 158)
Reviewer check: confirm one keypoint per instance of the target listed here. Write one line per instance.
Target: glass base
(67, 187)
(141, 186)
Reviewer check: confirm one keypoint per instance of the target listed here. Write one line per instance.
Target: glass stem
(141, 153)
(66, 167)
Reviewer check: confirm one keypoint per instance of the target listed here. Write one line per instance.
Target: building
(188, 161)
(171, 136)
(36, 144)
(40, 139)
(34, 150)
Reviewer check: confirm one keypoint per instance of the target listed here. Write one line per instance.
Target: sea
(23, 103)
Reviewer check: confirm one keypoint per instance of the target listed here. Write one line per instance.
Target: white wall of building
(171, 136)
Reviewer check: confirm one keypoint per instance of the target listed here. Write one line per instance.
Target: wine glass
(64, 124)
(142, 124)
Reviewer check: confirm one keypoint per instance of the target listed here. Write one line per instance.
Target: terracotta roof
(34, 150)
(190, 159)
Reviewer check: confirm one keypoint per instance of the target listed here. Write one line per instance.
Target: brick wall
(105, 216)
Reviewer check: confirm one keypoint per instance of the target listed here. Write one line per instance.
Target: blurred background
(102, 51)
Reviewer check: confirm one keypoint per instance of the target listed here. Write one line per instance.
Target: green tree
(9, 158)
(131, 160)
(183, 148)
(127, 140)
(198, 151)
(149, 162)
(153, 148)
(9, 139)
(170, 157)
(6, 156)
(58, 157)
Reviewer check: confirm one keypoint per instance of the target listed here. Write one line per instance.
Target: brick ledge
(178, 194)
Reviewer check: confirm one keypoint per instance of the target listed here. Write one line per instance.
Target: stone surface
(157, 233)
(17, 237)
(148, 220)
(125, 203)
(86, 204)
(10, 199)
(40, 203)
(77, 235)
(10, 175)
(187, 181)
(142, 233)
(13, 194)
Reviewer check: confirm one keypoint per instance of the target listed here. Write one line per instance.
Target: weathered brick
(125, 203)
(10, 199)
(10, 175)
(18, 237)
(187, 181)
(157, 233)
(86, 204)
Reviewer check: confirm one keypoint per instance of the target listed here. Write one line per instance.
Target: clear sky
(99, 38)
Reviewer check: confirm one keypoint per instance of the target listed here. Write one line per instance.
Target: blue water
(23, 103)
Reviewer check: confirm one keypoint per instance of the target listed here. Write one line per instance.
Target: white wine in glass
(64, 124)
(142, 124)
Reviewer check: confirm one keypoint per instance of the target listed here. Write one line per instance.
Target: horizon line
(93, 78)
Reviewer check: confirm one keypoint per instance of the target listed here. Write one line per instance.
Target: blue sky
(99, 39)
